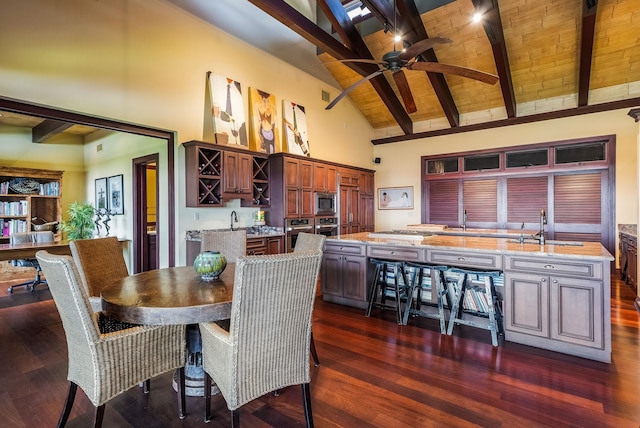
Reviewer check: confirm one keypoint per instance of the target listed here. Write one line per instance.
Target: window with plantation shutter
(526, 196)
(443, 201)
(573, 181)
(577, 198)
(480, 199)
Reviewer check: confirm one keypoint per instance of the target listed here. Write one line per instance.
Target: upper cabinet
(28, 197)
(297, 191)
(215, 174)
(325, 177)
(237, 174)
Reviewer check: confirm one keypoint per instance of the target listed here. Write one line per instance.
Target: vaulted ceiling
(554, 58)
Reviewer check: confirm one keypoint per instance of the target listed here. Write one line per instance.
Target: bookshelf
(28, 196)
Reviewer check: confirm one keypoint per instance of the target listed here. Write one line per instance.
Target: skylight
(356, 9)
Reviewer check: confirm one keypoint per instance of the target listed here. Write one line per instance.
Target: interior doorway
(146, 242)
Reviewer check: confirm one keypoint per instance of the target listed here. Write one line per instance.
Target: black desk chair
(25, 238)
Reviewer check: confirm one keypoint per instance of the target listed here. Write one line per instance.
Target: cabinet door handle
(543, 280)
(461, 259)
(555, 281)
(393, 253)
(549, 267)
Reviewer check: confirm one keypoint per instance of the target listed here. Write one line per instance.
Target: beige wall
(400, 165)
(146, 62)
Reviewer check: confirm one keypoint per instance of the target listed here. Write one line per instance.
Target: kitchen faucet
(234, 219)
(464, 220)
(543, 221)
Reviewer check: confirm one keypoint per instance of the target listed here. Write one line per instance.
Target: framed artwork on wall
(296, 139)
(116, 194)
(395, 198)
(264, 132)
(102, 200)
(227, 109)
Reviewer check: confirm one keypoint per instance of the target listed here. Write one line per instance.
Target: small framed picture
(116, 194)
(395, 198)
(102, 198)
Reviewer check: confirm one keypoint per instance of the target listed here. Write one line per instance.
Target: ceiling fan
(395, 61)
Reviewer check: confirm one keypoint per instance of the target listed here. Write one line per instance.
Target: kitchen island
(555, 296)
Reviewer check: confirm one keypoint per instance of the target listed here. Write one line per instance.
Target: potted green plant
(80, 224)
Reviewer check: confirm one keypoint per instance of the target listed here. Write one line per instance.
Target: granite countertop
(252, 232)
(458, 231)
(628, 229)
(507, 246)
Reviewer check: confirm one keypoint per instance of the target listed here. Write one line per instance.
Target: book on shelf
(14, 208)
(10, 226)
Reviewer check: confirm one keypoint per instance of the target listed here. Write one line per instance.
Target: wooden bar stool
(475, 294)
(433, 282)
(389, 280)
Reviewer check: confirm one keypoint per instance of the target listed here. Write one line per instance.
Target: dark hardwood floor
(373, 373)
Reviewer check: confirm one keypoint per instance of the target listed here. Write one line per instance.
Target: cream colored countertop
(505, 246)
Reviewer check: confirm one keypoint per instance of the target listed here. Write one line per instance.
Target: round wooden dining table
(175, 295)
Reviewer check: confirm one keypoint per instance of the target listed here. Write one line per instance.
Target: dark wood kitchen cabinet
(325, 177)
(216, 174)
(296, 194)
(629, 259)
(236, 178)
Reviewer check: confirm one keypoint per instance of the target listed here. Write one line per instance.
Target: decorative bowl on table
(210, 264)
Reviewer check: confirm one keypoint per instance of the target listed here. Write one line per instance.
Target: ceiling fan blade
(421, 46)
(438, 67)
(363, 60)
(405, 91)
(352, 87)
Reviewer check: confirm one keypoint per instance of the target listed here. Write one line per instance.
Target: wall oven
(326, 204)
(293, 226)
(327, 226)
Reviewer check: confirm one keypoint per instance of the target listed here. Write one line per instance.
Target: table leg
(194, 373)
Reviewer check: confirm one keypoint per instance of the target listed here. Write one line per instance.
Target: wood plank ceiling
(554, 58)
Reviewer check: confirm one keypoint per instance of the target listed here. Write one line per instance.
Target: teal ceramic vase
(210, 264)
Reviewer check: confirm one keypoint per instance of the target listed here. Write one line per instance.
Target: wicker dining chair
(102, 364)
(231, 243)
(99, 261)
(309, 242)
(267, 345)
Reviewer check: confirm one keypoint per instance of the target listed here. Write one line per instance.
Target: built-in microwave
(326, 203)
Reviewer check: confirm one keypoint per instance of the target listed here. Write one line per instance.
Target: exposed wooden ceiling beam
(556, 114)
(414, 31)
(287, 15)
(493, 28)
(589, 8)
(47, 129)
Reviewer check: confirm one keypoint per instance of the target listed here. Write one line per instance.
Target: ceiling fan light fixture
(477, 17)
(397, 38)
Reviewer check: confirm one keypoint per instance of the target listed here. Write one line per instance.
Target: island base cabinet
(557, 313)
(526, 304)
(344, 275)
